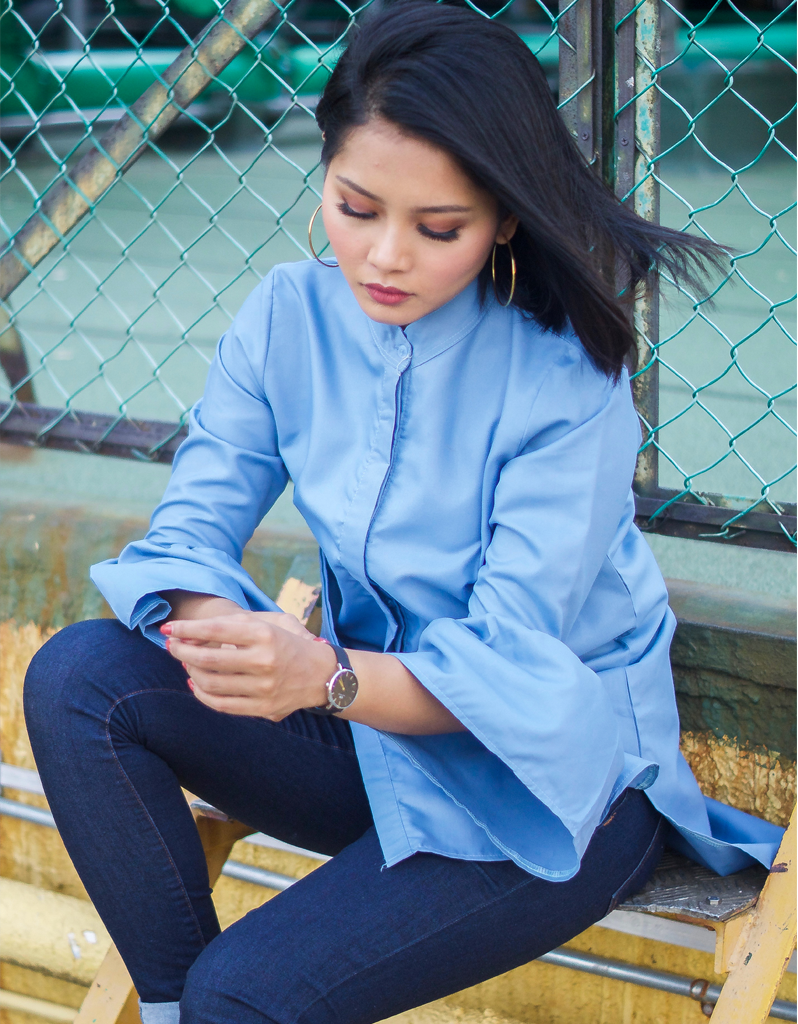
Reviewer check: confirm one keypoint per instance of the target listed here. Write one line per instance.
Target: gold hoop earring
(310, 240)
(512, 275)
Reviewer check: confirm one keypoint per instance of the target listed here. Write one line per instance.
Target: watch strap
(343, 663)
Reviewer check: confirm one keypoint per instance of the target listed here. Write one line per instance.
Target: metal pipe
(258, 876)
(14, 809)
(76, 21)
(696, 988)
(75, 194)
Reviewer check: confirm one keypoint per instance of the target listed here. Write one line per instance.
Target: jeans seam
(143, 806)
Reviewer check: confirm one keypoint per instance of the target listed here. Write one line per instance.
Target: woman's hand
(262, 664)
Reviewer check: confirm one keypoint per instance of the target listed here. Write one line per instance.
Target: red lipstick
(386, 296)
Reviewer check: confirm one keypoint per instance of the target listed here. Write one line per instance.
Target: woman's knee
(77, 660)
(217, 991)
(70, 652)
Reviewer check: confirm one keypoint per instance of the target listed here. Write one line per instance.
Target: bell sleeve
(506, 669)
(225, 477)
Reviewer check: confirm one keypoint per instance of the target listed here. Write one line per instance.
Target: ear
(507, 229)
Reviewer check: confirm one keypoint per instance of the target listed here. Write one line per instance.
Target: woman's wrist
(325, 663)
(186, 604)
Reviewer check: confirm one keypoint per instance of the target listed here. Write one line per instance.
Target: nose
(390, 250)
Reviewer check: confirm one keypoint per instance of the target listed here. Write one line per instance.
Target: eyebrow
(450, 208)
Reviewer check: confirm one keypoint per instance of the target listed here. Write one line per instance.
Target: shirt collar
(435, 332)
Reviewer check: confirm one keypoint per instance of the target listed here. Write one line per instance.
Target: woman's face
(409, 229)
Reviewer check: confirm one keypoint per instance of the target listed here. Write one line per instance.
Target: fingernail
(166, 628)
(168, 644)
(190, 682)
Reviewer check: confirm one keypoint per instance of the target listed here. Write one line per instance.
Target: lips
(386, 296)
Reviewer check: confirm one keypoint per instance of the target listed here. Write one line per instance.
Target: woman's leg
(116, 732)
(352, 943)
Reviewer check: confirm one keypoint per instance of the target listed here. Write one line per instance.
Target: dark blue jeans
(116, 733)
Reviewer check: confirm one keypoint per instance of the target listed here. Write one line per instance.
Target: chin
(395, 316)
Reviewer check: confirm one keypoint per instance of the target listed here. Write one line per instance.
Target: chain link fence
(131, 243)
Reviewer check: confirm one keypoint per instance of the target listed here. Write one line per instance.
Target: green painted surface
(45, 556)
(734, 665)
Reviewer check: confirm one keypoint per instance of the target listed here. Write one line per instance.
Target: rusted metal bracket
(149, 117)
(13, 360)
(760, 528)
(36, 426)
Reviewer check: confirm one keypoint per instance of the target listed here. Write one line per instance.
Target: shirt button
(402, 351)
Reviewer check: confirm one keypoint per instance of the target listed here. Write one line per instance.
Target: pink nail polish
(166, 628)
(167, 644)
(190, 684)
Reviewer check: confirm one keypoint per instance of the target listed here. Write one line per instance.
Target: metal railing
(129, 248)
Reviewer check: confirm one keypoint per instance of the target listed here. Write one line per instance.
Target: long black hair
(471, 87)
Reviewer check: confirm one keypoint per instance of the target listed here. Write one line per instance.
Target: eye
(347, 211)
(440, 236)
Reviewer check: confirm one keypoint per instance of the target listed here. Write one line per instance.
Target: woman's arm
(275, 668)
(187, 605)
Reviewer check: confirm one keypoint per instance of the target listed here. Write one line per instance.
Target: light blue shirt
(469, 483)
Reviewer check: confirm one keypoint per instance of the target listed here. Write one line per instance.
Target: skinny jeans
(116, 732)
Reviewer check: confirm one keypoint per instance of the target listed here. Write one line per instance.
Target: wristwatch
(341, 686)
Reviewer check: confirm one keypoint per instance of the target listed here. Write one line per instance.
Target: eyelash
(437, 236)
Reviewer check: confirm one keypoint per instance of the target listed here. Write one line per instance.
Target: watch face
(343, 689)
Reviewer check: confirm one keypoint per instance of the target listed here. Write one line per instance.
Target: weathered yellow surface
(48, 931)
(727, 939)
(765, 947)
(28, 853)
(42, 986)
(34, 1007)
(442, 1013)
(758, 781)
(298, 598)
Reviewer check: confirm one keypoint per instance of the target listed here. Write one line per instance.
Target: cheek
(348, 244)
(450, 264)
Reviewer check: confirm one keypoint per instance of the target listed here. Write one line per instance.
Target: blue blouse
(468, 480)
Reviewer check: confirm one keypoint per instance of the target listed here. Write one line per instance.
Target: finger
(285, 620)
(222, 685)
(240, 630)
(213, 659)
(227, 705)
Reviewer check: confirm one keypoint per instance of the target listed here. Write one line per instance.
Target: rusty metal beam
(36, 426)
(13, 360)
(149, 117)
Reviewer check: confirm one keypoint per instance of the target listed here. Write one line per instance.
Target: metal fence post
(646, 203)
(585, 63)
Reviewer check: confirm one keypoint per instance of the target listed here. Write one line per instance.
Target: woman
(487, 746)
